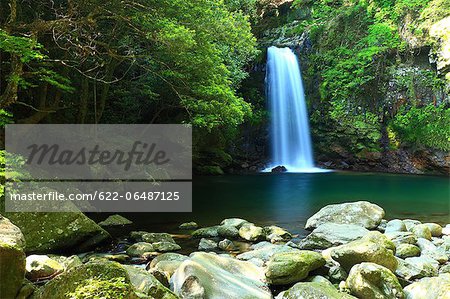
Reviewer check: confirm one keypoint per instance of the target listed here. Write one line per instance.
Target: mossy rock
(108, 280)
(313, 290)
(290, 267)
(12, 259)
(12, 269)
(47, 232)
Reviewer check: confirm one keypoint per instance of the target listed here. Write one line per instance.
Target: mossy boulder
(103, 279)
(115, 220)
(251, 232)
(332, 234)
(360, 213)
(373, 247)
(139, 249)
(219, 277)
(407, 250)
(12, 259)
(372, 281)
(291, 267)
(429, 288)
(313, 290)
(53, 231)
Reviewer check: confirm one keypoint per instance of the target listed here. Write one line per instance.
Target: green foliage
(115, 288)
(26, 48)
(5, 118)
(426, 126)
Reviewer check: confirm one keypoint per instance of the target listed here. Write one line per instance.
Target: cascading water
(290, 136)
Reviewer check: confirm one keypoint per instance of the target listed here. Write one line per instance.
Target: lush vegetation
(365, 55)
(369, 82)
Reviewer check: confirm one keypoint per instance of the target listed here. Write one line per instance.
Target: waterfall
(290, 136)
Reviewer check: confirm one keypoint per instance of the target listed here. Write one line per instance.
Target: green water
(290, 199)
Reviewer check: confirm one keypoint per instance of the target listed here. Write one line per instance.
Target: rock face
(372, 281)
(429, 288)
(313, 290)
(360, 213)
(373, 247)
(331, 234)
(219, 277)
(52, 231)
(290, 267)
(12, 259)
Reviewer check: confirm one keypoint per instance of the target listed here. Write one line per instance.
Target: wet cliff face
(410, 69)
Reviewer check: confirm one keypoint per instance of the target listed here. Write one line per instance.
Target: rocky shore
(350, 252)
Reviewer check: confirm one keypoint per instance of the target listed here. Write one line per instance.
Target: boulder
(115, 220)
(410, 223)
(407, 250)
(90, 280)
(429, 249)
(435, 229)
(164, 265)
(157, 237)
(206, 244)
(408, 271)
(12, 259)
(402, 237)
(42, 267)
(188, 225)
(166, 246)
(360, 213)
(206, 232)
(331, 234)
(313, 290)
(429, 288)
(372, 281)
(146, 284)
(251, 232)
(395, 225)
(55, 231)
(427, 265)
(138, 249)
(275, 234)
(373, 247)
(264, 251)
(236, 222)
(291, 267)
(422, 231)
(217, 277)
(228, 231)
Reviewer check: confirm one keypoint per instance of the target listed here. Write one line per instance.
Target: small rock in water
(206, 232)
(166, 246)
(206, 244)
(236, 222)
(188, 225)
(138, 249)
(410, 223)
(276, 234)
(115, 220)
(228, 231)
(251, 232)
(279, 169)
(227, 245)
